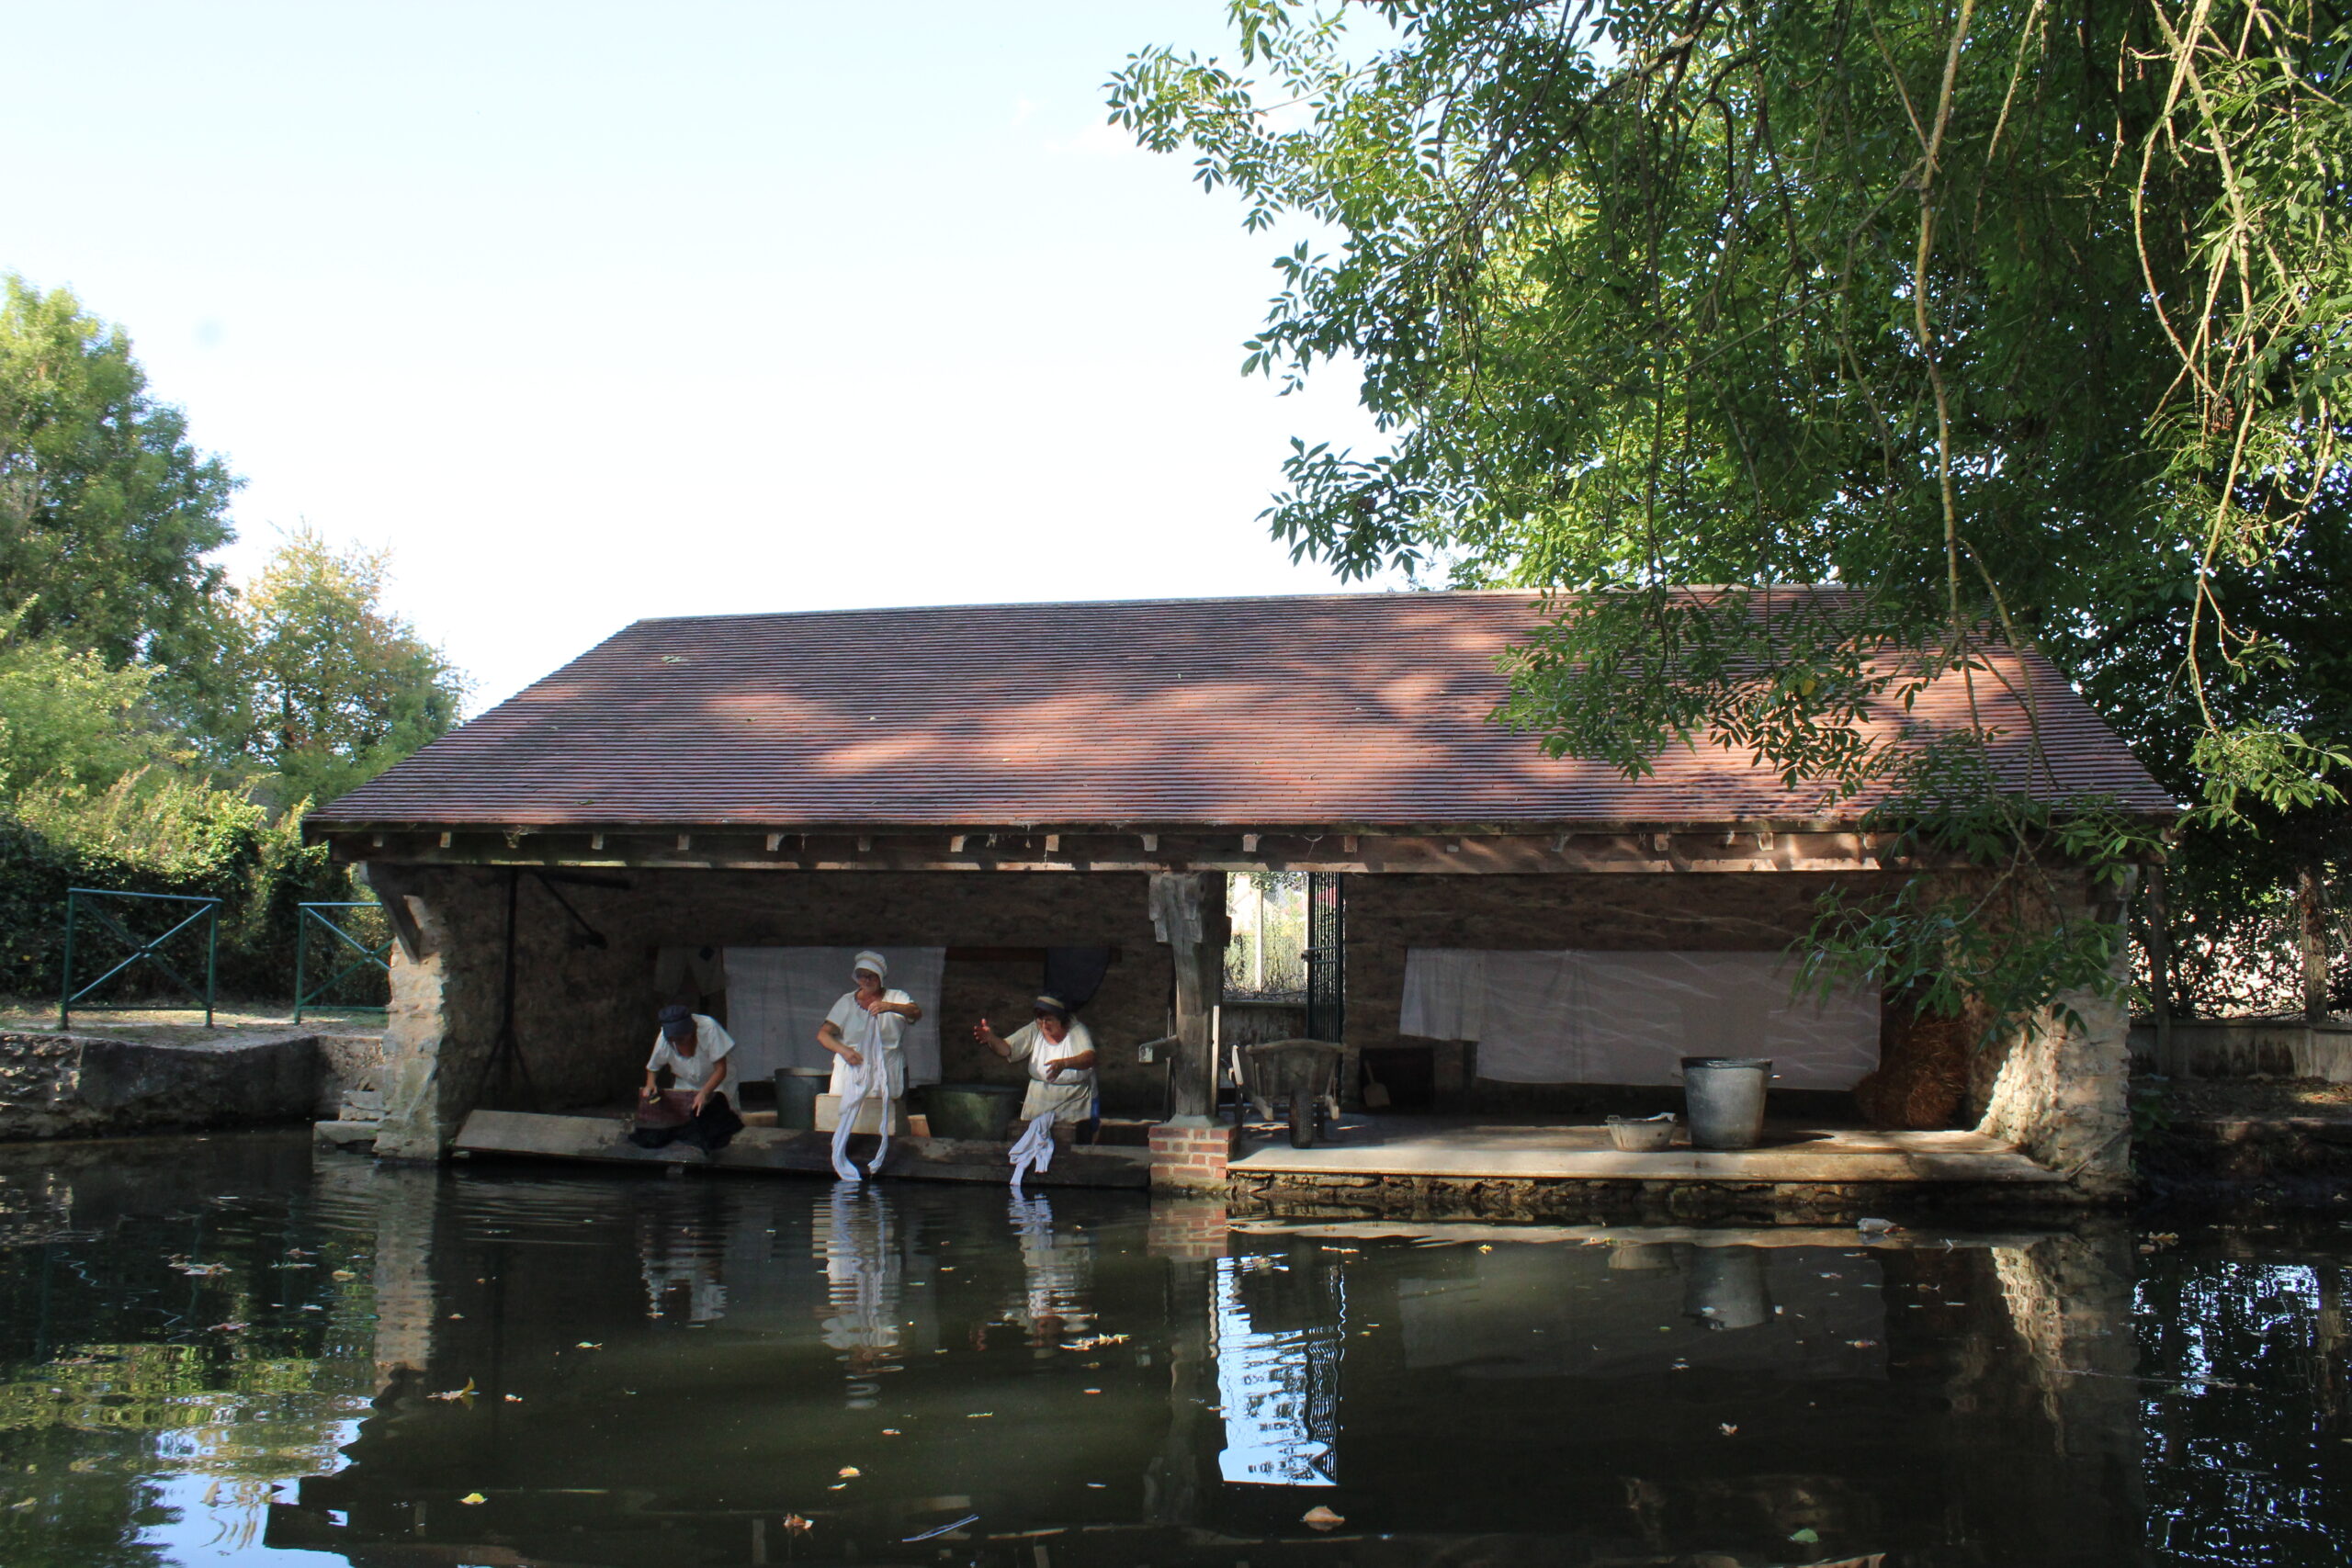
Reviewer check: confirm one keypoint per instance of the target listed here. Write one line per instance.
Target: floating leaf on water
(1806, 1537)
(889, 1431)
(342, 1274)
(1726, 1429)
(848, 1473)
(514, 1399)
(590, 1345)
(979, 1415)
(795, 1525)
(199, 1270)
(465, 1394)
(1321, 1518)
(471, 1498)
(1485, 1247)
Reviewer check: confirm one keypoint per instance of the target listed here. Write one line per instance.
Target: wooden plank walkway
(1473, 1147)
(603, 1139)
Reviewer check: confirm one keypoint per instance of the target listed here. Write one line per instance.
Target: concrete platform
(603, 1139)
(1484, 1148)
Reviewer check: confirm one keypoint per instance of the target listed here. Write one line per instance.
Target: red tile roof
(1365, 710)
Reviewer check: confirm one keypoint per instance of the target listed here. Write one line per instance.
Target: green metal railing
(371, 954)
(83, 903)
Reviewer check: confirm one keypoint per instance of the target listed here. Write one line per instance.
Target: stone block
(56, 1086)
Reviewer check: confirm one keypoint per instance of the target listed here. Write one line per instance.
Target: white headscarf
(871, 960)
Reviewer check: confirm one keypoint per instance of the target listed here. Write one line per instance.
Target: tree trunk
(2160, 964)
(2310, 903)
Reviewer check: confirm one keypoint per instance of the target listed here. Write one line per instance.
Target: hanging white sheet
(1445, 993)
(777, 996)
(1630, 1018)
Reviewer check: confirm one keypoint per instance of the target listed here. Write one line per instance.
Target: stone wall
(584, 1015)
(81, 1086)
(2059, 1089)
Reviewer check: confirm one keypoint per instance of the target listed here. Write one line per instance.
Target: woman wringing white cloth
(862, 1031)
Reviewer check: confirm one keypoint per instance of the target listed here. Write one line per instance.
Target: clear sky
(598, 311)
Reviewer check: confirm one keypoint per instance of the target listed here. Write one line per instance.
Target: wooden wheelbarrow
(1303, 1074)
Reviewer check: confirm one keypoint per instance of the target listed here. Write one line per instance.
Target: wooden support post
(1188, 913)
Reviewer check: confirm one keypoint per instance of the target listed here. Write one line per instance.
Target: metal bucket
(797, 1090)
(983, 1111)
(1724, 1097)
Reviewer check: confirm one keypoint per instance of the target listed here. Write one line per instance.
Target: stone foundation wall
(2060, 1088)
(584, 1015)
(1423, 1198)
(80, 1086)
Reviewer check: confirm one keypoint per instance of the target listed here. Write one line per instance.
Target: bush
(158, 833)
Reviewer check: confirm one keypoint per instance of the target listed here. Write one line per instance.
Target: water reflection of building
(1279, 1331)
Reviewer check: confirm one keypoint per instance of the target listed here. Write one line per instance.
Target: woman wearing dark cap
(1061, 1053)
(693, 1047)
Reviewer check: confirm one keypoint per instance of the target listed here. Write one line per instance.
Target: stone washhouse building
(1507, 943)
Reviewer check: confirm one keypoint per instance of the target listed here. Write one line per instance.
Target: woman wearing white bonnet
(862, 1031)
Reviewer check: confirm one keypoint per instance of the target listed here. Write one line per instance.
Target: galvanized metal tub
(1724, 1097)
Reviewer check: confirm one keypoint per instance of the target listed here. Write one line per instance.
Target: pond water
(219, 1350)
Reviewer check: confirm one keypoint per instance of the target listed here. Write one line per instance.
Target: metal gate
(138, 949)
(1327, 956)
(363, 955)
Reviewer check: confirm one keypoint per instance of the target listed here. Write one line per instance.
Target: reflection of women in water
(673, 1256)
(1058, 1297)
(863, 1284)
(864, 1031)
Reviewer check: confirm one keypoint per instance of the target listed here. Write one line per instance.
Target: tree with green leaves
(2022, 320)
(338, 688)
(71, 720)
(108, 515)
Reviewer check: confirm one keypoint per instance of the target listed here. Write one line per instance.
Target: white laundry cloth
(870, 1079)
(1033, 1149)
(1445, 993)
(1630, 1018)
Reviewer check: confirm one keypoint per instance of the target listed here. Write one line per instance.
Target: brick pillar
(1190, 1157)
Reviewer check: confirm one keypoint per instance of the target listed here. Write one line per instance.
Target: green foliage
(157, 831)
(2021, 321)
(338, 688)
(107, 511)
(71, 718)
(159, 732)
